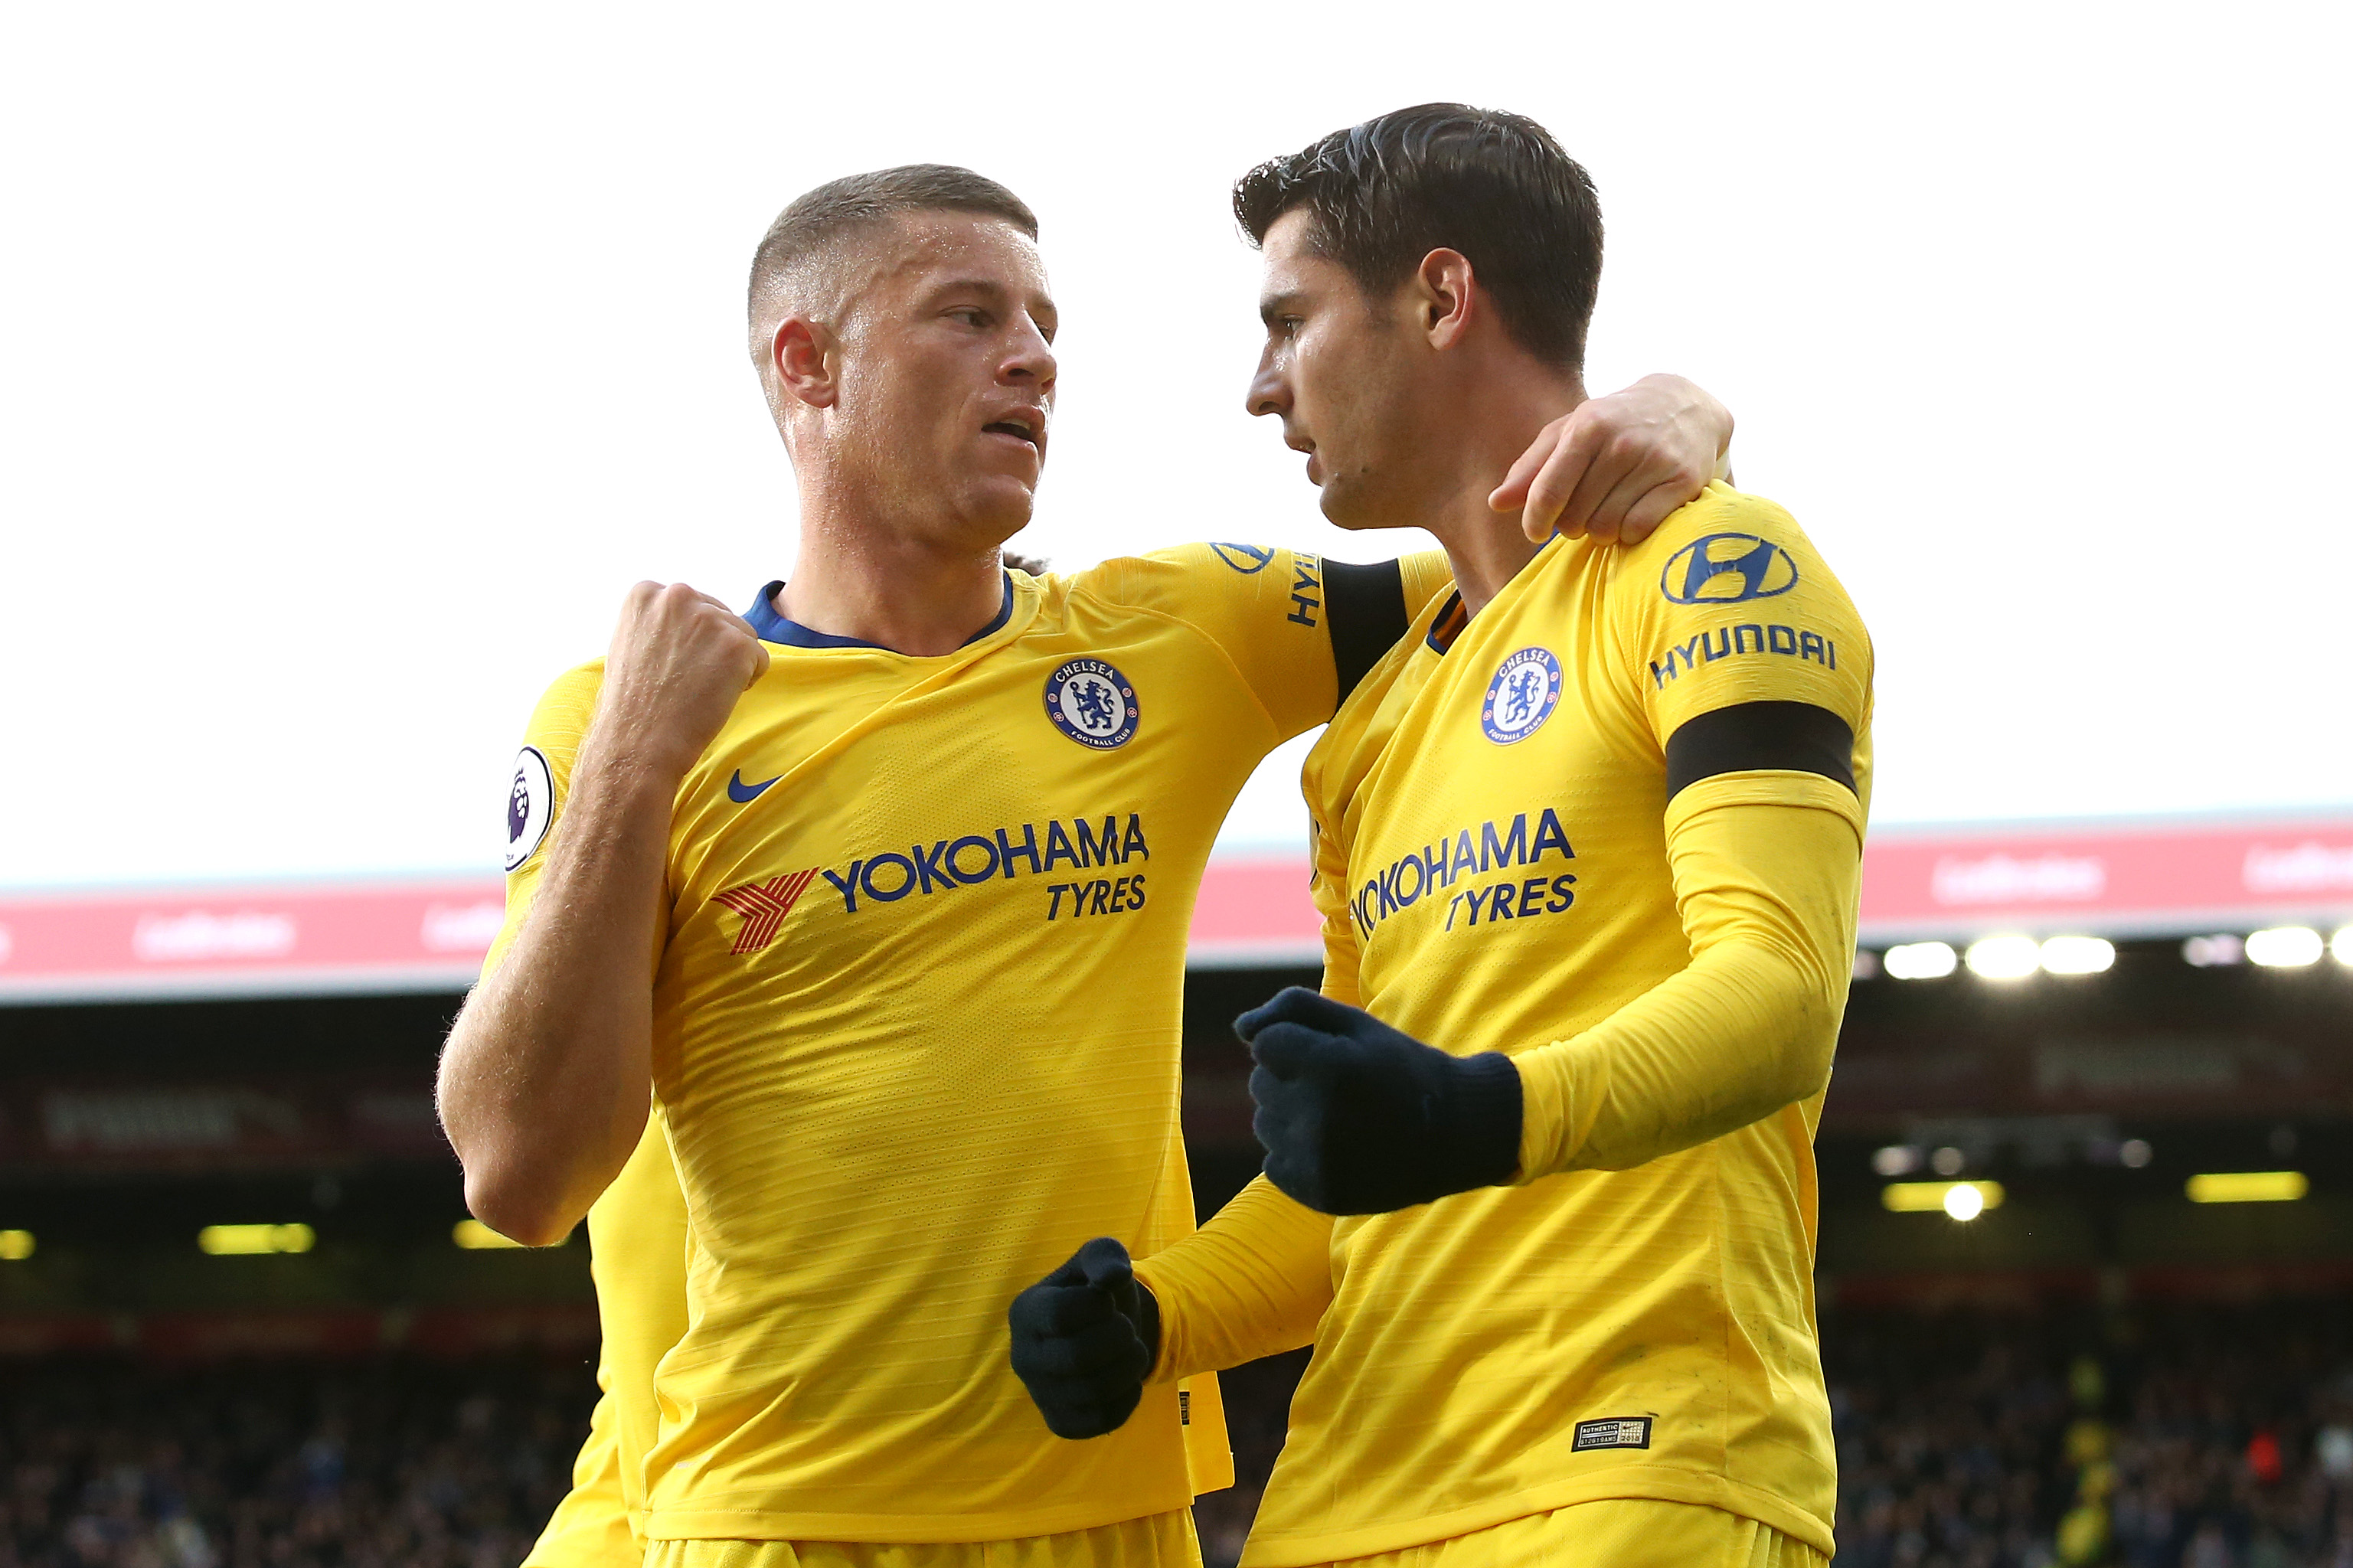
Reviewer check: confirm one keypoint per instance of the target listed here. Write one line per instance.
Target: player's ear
(803, 358)
(1443, 297)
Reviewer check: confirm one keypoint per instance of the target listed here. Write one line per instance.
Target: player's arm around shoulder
(1615, 467)
(1262, 612)
(546, 1077)
(1304, 630)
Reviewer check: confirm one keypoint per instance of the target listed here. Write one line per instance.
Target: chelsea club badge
(1522, 696)
(1093, 703)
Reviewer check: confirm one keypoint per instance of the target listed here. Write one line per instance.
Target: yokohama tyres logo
(764, 906)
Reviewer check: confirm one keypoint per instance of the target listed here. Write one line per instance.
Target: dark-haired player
(1540, 1184)
(861, 892)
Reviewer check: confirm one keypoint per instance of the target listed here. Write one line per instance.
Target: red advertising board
(2121, 880)
(2114, 879)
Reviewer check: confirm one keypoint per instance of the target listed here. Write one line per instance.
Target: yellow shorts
(1621, 1533)
(1163, 1541)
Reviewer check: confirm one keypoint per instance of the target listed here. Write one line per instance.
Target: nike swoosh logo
(742, 793)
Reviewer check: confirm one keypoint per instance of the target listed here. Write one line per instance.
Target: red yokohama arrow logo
(764, 906)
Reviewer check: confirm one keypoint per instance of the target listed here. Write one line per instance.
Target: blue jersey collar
(770, 626)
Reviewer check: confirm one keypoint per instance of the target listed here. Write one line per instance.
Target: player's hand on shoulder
(677, 662)
(1359, 1117)
(1615, 467)
(1084, 1339)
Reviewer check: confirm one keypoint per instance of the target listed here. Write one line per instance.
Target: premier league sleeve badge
(530, 805)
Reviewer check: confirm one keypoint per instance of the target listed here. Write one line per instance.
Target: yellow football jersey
(590, 1528)
(637, 1233)
(1514, 853)
(637, 1239)
(916, 1031)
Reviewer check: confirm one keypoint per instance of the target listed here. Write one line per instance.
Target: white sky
(353, 362)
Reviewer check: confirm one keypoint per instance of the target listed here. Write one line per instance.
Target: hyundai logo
(1248, 560)
(1726, 569)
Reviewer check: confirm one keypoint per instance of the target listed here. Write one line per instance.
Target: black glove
(1359, 1119)
(1084, 1339)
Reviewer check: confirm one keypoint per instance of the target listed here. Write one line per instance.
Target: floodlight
(1945, 1197)
(2004, 957)
(2285, 947)
(1919, 960)
(2078, 955)
(235, 1240)
(2248, 1187)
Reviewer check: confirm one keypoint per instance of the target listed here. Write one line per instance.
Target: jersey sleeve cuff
(1544, 1100)
(1168, 1352)
(1147, 1324)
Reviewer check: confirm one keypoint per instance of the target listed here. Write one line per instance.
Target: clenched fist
(1084, 1339)
(1358, 1118)
(677, 662)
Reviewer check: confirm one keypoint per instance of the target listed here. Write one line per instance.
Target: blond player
(861, 893)
(1540, 1187)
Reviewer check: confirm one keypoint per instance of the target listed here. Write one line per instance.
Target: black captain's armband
(1758, 737)
(1367, 614)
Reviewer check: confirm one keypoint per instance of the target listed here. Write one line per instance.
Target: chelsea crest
(1093, 703)
(1522, 695)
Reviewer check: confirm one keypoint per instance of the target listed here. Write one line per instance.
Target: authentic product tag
(1628, 1432)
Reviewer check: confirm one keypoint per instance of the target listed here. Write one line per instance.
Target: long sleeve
(1767, 869)
(590, 1528)
(1252, 1282)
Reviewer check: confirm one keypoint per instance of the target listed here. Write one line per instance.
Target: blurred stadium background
(358, 361)
(2086, 1266)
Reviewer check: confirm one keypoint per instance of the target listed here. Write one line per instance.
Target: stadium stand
(384, 1462)
(2166, 1435)
(2192, 1434)
(2095, 1370)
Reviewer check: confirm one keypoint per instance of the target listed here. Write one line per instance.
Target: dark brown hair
(1493, 186)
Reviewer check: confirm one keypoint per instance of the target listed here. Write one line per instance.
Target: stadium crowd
(382, 1464)
(2162, 1437)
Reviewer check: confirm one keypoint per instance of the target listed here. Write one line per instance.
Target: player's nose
(1270, 389)
(1030, 359)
